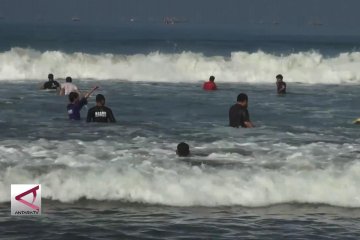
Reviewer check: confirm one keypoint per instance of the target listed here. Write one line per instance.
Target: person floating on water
(210, 85)
(76, 104)
(51, 84)
(239, 114)
(280, 84)
(100, 113)
(183, 150)
(68, 87)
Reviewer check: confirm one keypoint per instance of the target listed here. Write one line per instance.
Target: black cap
(212, 78)
(100, 98)
(51, 76)
(68, 79)
(242, 97)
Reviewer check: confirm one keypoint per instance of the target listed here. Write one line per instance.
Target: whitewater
(168, 181)
(304, 150)
(308, 67)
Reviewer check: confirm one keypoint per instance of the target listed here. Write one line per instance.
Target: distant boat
(75, 19)
(174, 20)
(168, 20)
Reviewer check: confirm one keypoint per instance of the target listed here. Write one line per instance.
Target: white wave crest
(193, 186)
(258, 67)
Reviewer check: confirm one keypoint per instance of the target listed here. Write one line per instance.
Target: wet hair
(73, 96)
(51, 76)
(279, 76)
(242, 97)
(100, 98)
(68, 79)
(183, 149)
(212, 78)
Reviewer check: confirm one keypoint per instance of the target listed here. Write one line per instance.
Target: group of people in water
(238, 113)
(98, 113)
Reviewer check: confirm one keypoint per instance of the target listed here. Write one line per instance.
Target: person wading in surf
(100, 113)
(280, 84)
(76, 104)
(239, 114)
(210, 85)
(51, 84)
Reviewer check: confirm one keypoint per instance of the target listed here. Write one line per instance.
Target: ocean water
(295, 176)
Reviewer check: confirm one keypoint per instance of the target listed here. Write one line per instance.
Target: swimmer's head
(183, 149)
(279, 77)
(73, 96)
(212, 78)
(242, 99)
(68, 79)
(100, 99)
(50, 77)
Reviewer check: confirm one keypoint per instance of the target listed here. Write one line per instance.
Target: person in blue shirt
(76, 104)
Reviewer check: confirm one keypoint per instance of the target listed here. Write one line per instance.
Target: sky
(336, 13)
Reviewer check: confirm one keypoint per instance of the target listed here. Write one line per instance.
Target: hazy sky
(343, 13)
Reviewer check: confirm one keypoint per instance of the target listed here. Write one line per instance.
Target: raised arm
(89, 93)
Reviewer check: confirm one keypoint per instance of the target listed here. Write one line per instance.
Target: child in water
(76, 104)
(280, 84)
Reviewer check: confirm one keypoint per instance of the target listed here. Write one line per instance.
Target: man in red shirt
(210, 85)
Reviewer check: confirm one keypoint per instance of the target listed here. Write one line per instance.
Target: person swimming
(280, 84)
(51, 83)
(183, 150)
(100, 113)
(210, 85)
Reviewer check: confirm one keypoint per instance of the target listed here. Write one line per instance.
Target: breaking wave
(156, 176)
(193, 186)
(258, 67)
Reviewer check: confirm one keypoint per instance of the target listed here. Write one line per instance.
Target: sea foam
(155, 175)
(193, 186)
(257, 67)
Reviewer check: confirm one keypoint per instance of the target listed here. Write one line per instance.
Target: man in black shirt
(239, 114)
(51, 84)
(100, 113)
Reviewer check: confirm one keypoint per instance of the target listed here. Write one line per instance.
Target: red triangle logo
(31, 205)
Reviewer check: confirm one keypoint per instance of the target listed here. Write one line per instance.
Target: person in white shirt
(68, 87)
